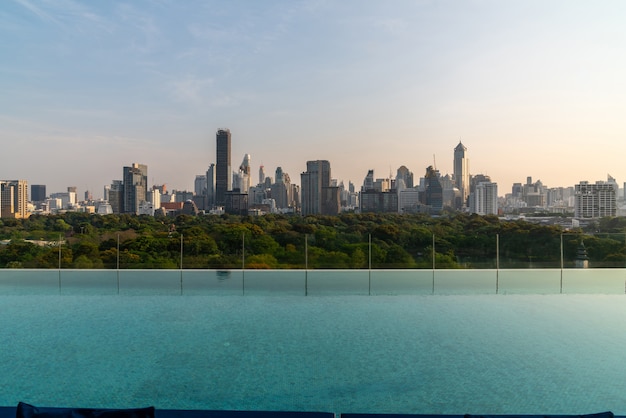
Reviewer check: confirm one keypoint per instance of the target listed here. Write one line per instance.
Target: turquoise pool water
(453, 354)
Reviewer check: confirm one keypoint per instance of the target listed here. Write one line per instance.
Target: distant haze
(531, 88)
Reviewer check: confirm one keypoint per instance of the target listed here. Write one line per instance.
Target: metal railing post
(118, 264)
(497, 263)
(181, 264)
(561, 282)
(243, 263)
(433, 291)
(369, 276)
(59, 263)
(306, 264)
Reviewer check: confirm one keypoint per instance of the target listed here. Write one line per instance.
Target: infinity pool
(482, 354)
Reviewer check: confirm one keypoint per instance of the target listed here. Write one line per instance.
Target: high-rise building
(261, 174)
(594, 200)
(135, 187)
(313, 182)
(433, 195)
(484, 198)
(115, 196)
(37, 193)
(13, 199)
(222, 167)
(461, 171)
(281, 189)
(210, 187)
(406, 176)
(200, 185)
(245, 171)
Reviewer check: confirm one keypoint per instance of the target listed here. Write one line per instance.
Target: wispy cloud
(191, 89)
(146, 36)
(39, 12)
(69, 15)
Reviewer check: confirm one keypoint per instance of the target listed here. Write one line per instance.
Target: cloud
(191, 89)
(69, 15)
(40, 13)
(146, 36)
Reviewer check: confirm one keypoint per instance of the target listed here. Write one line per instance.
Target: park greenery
(348, 241)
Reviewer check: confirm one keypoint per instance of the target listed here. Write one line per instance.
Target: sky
(531, 88)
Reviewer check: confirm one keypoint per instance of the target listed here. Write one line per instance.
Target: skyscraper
(135, 187)
(318, 197)
(461, 171)
(38, 192)
(13, 199)
(245, 171)
(210, 187)
(222, 167)
(433, 196)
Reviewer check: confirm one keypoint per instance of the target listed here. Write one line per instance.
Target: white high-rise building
(595, 200)
(244, 175)
(484, 200)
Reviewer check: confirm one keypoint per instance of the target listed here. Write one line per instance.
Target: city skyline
(531, 89)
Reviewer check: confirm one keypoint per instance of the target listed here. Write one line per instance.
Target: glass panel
(529, 281)
(607, 281)
(150, 282)
(465, 282)
(89, 282)
(402, 282)
(212, 282)
(27, 282)
(274, 282)
(337, 282)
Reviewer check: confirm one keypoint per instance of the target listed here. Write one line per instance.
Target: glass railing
(249, 251)
(312, 282)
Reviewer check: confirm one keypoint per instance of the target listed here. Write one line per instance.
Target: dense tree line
(282, 242)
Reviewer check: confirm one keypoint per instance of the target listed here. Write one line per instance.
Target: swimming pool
(441, 354)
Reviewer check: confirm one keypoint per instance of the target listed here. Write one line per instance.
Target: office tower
(313, 182)
(594, 200)
(461, 171)
(245, 170)
(281, 189)
(67, 199)
(405, 175)
(289, 188)
(115, 196)
(484, 198)
(154, 197)
(377, 196)
(13, 199)
(433, 195)
(210, 187)
(222, 168)
(261, 174)
(368, 182)
(37, 193)
(200, 185)
(135, 187)
(279, 175)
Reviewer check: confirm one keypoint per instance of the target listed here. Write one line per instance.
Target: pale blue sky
(532, 88)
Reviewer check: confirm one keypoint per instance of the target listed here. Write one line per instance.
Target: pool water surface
(479, 354)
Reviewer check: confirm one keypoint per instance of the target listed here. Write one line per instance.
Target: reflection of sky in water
(502, 354)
